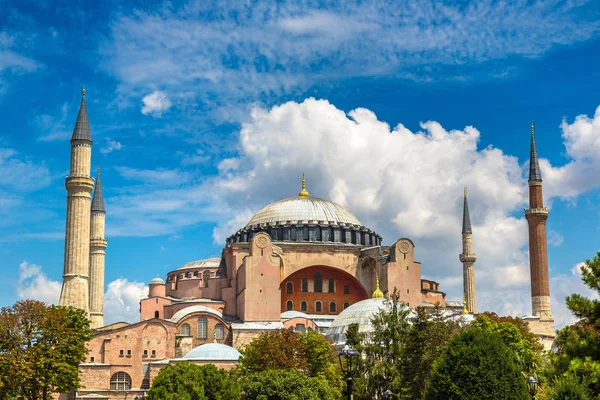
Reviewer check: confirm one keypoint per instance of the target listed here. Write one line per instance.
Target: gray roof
(207, 263)
(303, 208)
(157, 281)
(82, 126)
(98, 200)
(534, 166)
(192, 309)
(212, 352)
(466, 228)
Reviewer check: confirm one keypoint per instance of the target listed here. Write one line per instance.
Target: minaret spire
(468, 258)
(98, 244)
(536, 216)
(79, 185)
(377, 293)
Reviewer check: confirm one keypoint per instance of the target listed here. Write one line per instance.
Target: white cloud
(160, 176)
(17, 172)
(110, 146)
(122, 301)
(34, 284)
(156, 103)
(237, 56)
(53, 128)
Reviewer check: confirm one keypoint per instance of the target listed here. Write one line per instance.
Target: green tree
(476, 365)
(426, 339)
(286, 385)
(578, 346)
(186, 381)
(280, 349)
(40, 349)
(515, 333)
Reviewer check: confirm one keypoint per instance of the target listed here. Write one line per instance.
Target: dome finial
(82, 91)
(377, 294)
(464, 310)
(303, 192)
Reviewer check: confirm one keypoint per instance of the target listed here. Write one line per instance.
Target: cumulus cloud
(110, 146)
(156, 103)
(21, 174)
(121, 301)
(34, 284)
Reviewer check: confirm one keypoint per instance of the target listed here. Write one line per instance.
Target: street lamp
(348, 363)
(532, 385)
(388, 394)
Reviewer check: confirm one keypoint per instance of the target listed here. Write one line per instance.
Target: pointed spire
(98, 200)
(303, 192)
(377, 294)
(534, 166)
(466, 228)
(82, 126)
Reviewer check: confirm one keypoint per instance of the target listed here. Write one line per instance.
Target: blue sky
(201, 114)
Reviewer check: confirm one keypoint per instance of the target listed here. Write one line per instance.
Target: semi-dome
(302, 208)
(212, 352)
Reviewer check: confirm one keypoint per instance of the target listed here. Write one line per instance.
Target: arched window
(332, 307)
(304, 306)
(185, 330)
(202, 328)
(289, 288)
(156, 314)
(305, 285)
(300, 328)
(219, 331)
(120, 381)
(318, 234)
(318, 306)
(289, 305)
(346, 289)
(331, 285)
(346, 305)
(205, 277)
(318, 282)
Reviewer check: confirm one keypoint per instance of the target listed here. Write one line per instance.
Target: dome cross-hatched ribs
(303, 209)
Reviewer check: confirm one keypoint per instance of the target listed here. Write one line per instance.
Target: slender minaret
(536, 216)
(468, 258)
(98, 245)
(75, 288)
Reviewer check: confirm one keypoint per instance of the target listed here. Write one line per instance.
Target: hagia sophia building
(300, 263)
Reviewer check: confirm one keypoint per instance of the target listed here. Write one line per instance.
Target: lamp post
(388, 394)
(348, 363)
(532, 385)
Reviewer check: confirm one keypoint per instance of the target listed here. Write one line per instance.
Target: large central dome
(302, 208)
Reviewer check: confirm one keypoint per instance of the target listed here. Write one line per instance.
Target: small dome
(213, 352)
(360, 313)
(207, 263)
(157, 281)
(303, 208)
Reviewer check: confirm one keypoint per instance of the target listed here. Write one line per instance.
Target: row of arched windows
(205, 276)
(203, 329)
(318, 285)
(289, 306)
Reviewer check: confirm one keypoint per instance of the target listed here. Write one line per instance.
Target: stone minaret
(536, 216)
(75, 288)
(468, 258)
(98, 245)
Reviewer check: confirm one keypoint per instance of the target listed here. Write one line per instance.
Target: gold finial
(377, 294)
(465, 191)
(303, 192)
(82, 91)
(464, 310)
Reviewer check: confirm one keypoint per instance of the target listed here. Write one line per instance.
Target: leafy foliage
(186, 381)
(281, 349)
(40, 349)
(286, 385)
(578, 355)
(568, 387)
(476, 365)
(515, 333)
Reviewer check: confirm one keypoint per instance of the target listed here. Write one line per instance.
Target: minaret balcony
(536, 211)
(468, 258)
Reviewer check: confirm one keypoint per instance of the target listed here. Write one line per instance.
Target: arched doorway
(315, 288)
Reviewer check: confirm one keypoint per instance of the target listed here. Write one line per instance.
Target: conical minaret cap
(82, 126)
(466, 227)
(98, 200)
(534, 166)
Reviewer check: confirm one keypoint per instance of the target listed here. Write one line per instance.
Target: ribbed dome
(302, 208)
(213, 352)
(207, 263)
(157, 281)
